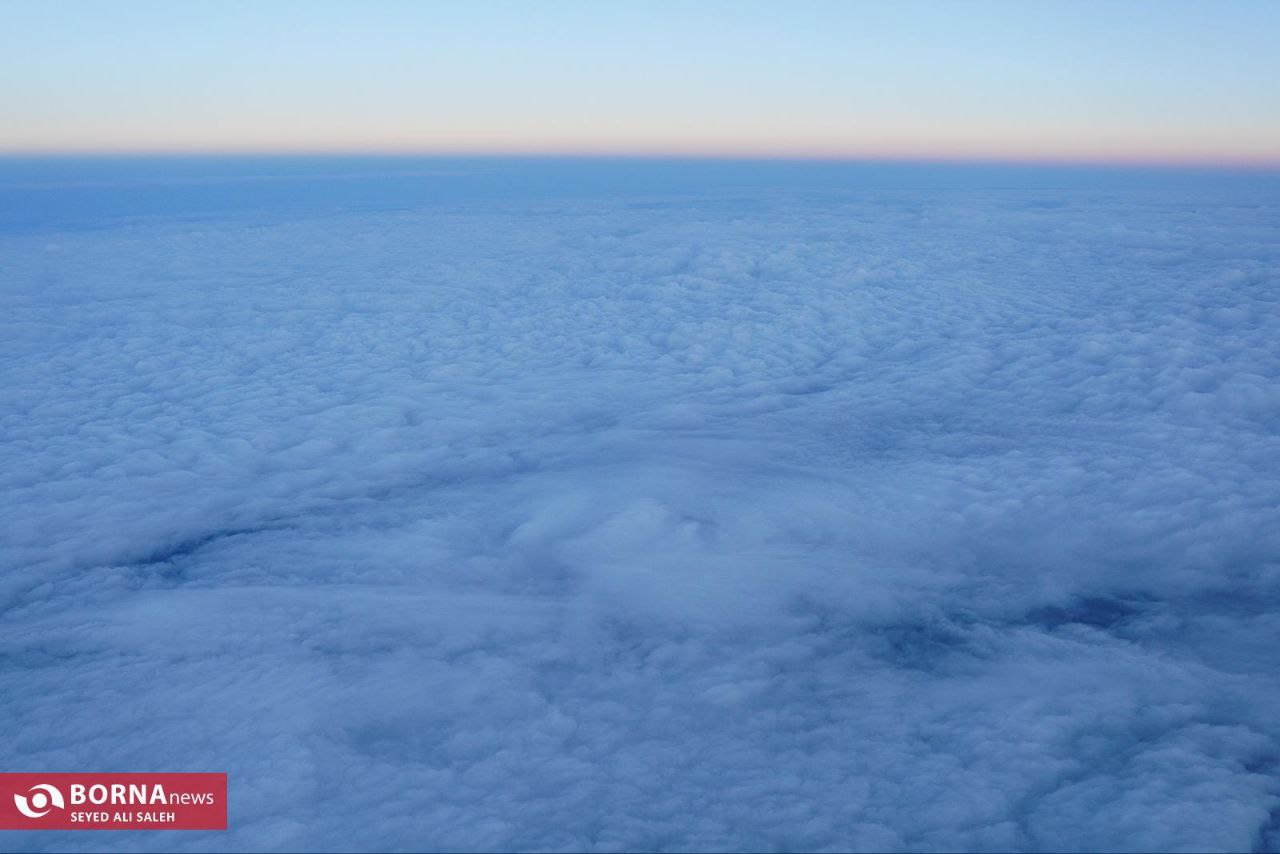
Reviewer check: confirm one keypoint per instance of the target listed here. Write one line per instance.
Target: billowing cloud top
(756, 519)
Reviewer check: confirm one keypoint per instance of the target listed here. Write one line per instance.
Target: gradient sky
(1028, 79)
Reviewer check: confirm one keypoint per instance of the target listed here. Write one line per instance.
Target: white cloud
(930, 520)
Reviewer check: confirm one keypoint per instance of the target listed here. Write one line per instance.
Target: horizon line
(1119, 161)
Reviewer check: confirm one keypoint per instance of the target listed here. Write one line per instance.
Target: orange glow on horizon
(898, 153)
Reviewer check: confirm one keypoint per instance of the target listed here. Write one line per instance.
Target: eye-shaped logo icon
(43, 798)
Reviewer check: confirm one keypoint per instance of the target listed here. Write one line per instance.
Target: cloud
(861, 521)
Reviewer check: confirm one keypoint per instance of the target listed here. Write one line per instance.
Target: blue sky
(1145, 81)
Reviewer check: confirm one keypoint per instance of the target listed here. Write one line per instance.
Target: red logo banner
(113, 801)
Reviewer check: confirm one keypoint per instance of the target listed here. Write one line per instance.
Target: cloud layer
(897, 520)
